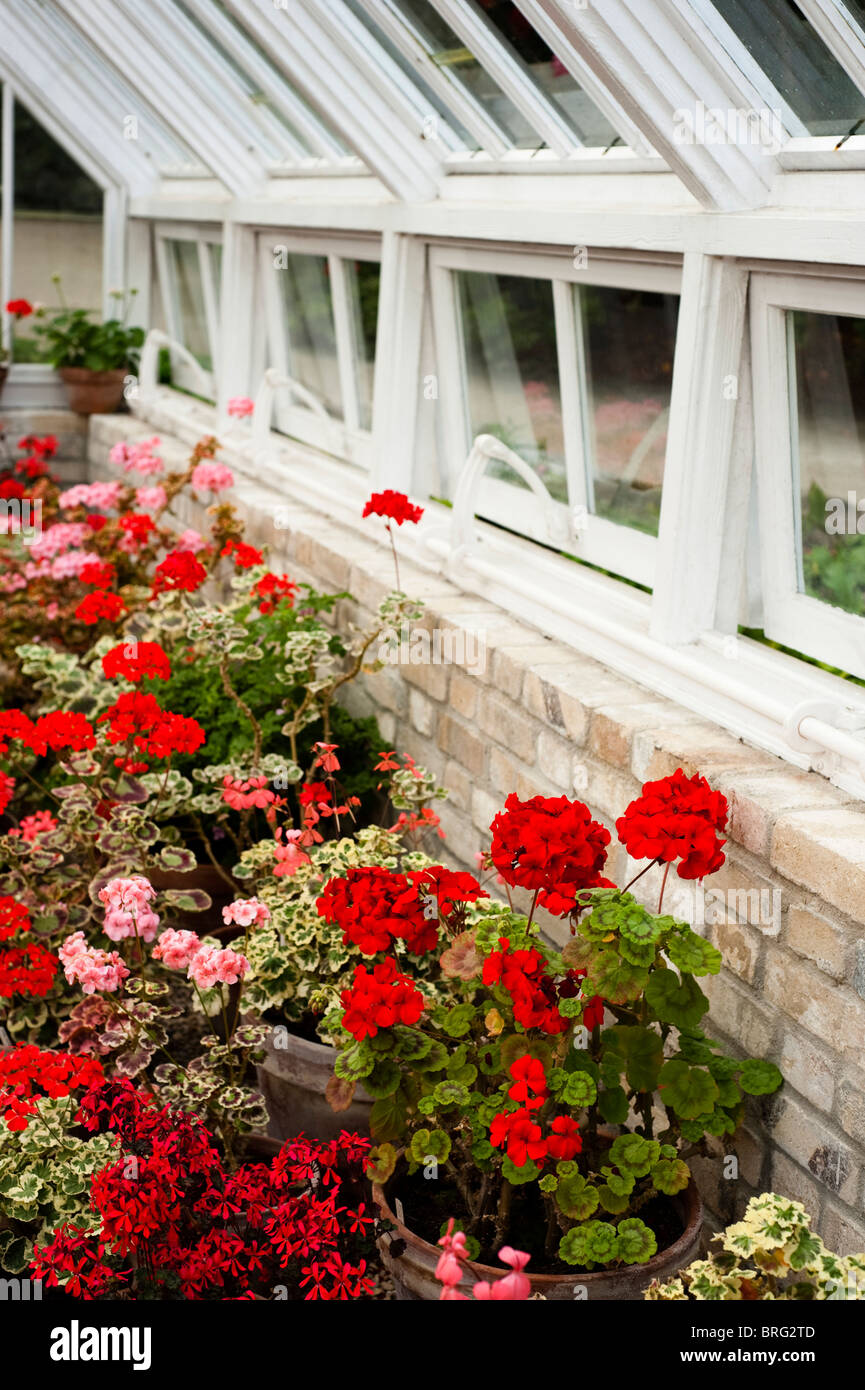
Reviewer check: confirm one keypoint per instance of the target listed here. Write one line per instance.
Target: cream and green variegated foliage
(772, 1253)
(299, 963)
(45, 1175)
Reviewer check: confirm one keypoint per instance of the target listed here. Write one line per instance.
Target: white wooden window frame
(805, 624)
(204, 238)
(345, 438)
(607, 544)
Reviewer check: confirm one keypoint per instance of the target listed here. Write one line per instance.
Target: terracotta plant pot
(93, 393)
(413, 1271)
(293, 1078)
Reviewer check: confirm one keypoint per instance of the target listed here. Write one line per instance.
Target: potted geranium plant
(93, 358)
(555, 1102)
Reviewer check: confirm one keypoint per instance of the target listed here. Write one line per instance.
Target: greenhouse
(432, 735)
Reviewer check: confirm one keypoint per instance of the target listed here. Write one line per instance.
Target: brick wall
(543, 718)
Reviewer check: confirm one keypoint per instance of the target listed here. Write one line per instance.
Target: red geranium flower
(21, 308)
(133, 661)
(245, 556)
(7, 787)
(179, 570)
(273, 589)
(379, 999)
(564, 1140)
(137, 527)
(547, 841)
(522, 1136)
(394, 506)
(101, 573)
(60, 729)
(677, 817)
(100, 604)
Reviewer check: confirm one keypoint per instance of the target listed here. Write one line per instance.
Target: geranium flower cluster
(170, 1216)
(376, 906)
(549, 844)
(128, 908)
(178, 571)
(207, 966)
(534, 991)
(272, 589)
(393, 506)
(512, 1288)
(95, 970)
(519, 1132)
(136, 661)
(27, 969)
(137, 456)
(139, 718)
(677, 817)
(246, 912)
(29, 1074)
(378, 999)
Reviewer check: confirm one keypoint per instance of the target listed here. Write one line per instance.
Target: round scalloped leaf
(613, 1105)
(430, 1143)
(571, 1008)
(596, 1243)
(380, 1163)
(435, 1060)
(640, 926)
(517, 1045)
(384, 1078)
(690, 1091)
(575, 1197)
(638, 953)
(458, 1020)
(616, 980)
(634, 1154)
(579, 954)
(387, 1117)
(548, 1183)
(671, 1175)
(354, 1062)
(449, 1093)
(690, 953)
(759, 1078)
(620, 1183)
(517, 1176)
(411, 1044)
(680, 1002)
(613, 1202)
(579, 1090)
(637, 1244)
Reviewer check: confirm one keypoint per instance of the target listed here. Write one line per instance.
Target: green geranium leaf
(517, 1176)
(579, 1090)
(450, 1093)
(637, 1244)
(613, 1202)
(596, 1243)
(760, 1078)
(384, 1078)
(387, 1118)
(690, 953)
(671, 1175)
(430, 1143)
(633, 1154)
(690, 1091)
(616, 980)
(613, 1105)
(640, 926)
(380, 1163)
(548, 1183)
(643, 1051)
(458, 1020)
(575, 1197)
(681, 1003)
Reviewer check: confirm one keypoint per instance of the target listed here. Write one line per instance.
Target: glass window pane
(363, 280)
(447, 50)
(57, 232)
(828, 430)
(629, 339)
(214, 251)
(189, 299)
(428, 98)
(797, 62)
(588, 123)
(304, 285)
(511, 371)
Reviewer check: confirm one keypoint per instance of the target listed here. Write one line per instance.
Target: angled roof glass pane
(250, 87)
(277, 72)
(797, 62)
(434, 103)
(548, 72)
(446, 49)
(107, 88)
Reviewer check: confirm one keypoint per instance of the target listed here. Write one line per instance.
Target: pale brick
(843, 1232)
(484, 807)
(743, 893)
(428, 676)
(826, 943)
(510, 665)
(462, 744)
(695, 746)
(463, 694)
(756, 803)
(459, 785)
(387, 727)
(824, 851)
(808, 1069)
(832, 1013)
(608, 791)
(791, 1180)
(812, 1144)
(746, 1020)
(387, 688)
(508, 725)
(851, 1103)
(423, 713)
(613, 727)
(740, 947)
(503, 771)
(750, 1150)
(556, 760)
